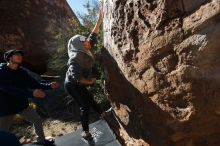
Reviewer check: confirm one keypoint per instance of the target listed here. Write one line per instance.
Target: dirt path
(52, 128)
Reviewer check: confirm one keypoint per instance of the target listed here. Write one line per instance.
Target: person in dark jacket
(8, 139)
(79, 75)
(16, 86)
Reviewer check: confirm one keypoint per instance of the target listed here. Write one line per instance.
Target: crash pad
(103, 136)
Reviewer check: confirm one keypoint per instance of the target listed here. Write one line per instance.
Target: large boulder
(163, 71)
(34, 26)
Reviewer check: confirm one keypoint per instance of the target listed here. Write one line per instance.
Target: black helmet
(10, 53)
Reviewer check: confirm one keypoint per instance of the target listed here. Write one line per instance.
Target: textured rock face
(32, 25)
(163, 69)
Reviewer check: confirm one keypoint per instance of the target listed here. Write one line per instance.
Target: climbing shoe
(49, 142)
(87, 137)
(106, 113)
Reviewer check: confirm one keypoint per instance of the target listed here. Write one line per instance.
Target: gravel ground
(52, 128)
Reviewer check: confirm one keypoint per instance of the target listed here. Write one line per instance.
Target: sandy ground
(52, 128)
(57, 123)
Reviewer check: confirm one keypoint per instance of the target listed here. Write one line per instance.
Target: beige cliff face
(163, 70)
(33, 25)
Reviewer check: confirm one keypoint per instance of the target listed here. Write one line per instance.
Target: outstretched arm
(34, 84)
(99, 21)
(84, 81)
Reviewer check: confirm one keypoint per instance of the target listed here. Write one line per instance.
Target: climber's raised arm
(99, 21)
(91, 40)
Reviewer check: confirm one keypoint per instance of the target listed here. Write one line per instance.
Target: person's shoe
(106, 113)
(87, 136)
(49, 142)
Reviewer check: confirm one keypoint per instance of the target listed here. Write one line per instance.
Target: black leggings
(85, 100)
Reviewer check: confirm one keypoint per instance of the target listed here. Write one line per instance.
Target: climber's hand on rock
(99, 21)
(101, 9)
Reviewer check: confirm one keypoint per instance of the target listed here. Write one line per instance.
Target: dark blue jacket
(8, 139)
(16, 86)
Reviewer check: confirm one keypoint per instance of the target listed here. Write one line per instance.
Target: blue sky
(77, 5)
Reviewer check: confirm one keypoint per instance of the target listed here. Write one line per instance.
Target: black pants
(85, 100)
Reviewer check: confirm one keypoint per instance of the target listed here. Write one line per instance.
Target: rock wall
(33, 26)
(163, 71)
